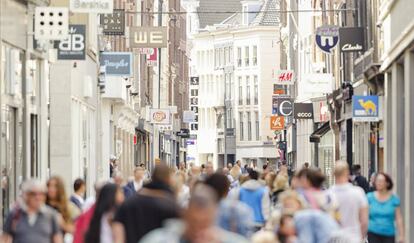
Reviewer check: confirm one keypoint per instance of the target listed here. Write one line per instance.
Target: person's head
(195, 171)
(142, 165)
(112, 159)
(306, 165)
(238, 162)
(118, 178)
(79, 186)
(269, 178)
(291, 201)
(139, 174)
(229, 166)
(34, 194)
(182, 166)
(253, 175)
(311, 178)
(225, 171)
(163, 174)
(383, 182)
(356, 169)
(209, 168)
(372, 179)
(287, 226)
(219, 183)
(110, 197)
(280, 183)
(341, 172)
(265, 166)
(56, 196)
(201, 212)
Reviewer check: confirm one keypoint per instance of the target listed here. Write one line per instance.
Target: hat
(112, 157)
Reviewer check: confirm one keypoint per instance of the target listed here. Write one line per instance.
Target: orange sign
(277, 123)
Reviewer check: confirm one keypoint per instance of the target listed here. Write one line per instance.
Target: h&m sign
(148, 37)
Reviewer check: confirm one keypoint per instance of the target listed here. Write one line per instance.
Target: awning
(315, 137)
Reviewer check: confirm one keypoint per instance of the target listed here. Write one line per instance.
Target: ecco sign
(148, 37)
(303, 111)
(351, 39)
(73, 48)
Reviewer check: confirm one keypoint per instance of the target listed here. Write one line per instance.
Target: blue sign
(327, 37)
(190, 142)
(365, 108)
(117, 63)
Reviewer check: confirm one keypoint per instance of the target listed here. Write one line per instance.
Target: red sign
(152, 57)
(285, 77)
(277, 123)
(135, 140)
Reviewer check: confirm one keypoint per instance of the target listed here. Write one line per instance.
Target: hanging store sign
(184, 133)
(148, 37)
(152, 57)
(72, 48)
(194, 81)
(114, 24)
(327, 37)
(188, 116)
(277, 123)
(160, 116)
(91, 6)
(282, 106)
(117, 63)
(51, 23)
(351, 39)
(303, 111)
(365, 108)
(284, 77)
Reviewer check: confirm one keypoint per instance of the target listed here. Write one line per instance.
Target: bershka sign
(91, 6)
(114, 24)
(148, 37)
(351, 39)
(117, 63)
(72, 48)
(303, 111)
(327, 37)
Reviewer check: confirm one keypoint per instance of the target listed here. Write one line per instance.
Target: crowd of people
(198, 204)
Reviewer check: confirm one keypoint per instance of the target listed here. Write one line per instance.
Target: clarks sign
(148, 37)
(351, 39)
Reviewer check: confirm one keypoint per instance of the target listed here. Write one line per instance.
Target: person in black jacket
(358, 179)
(148, 209)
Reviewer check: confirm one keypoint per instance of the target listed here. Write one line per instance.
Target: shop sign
(188, 116)
(72, 48)
(152, 57)
(194, 81)
(148, 37)
(282, 106)
(184, 133)
(114, 24)
(365, 108)
(51, 23)
(91, 6)
(321, 111)
(327, 37)
(351, 39)
(165, 128)
(190, 142)
(303, 111)
(285, 77)
(117, 63)
(277, 123)
(160, 116)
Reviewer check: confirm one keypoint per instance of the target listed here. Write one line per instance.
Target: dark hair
(203, 166)
(388, 180)
(314, 176)
(355, 168)
(254, 175)
(219, 183)
(265, 166)
(161, 173)
(104, 203)
(78, 184)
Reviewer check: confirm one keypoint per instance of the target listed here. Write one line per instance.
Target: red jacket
(82, 225)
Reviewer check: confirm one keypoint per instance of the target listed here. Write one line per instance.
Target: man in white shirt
(79, 188)
(353, 204)
(137, 183)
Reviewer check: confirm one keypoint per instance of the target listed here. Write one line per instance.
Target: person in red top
(82, 225)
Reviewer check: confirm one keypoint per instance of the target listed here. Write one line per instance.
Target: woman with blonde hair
(57, 199)
(280, 184)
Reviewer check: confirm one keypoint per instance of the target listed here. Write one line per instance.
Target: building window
(257, 125)
(229, 118)
(241, 126)
(239, 56)
(231, 55)
(249, 126)
(247, 90)
(240, 91)
(216, 58)
(246, 56)
(226, 56)
(256, 90)
(254, 55)
(222, 57)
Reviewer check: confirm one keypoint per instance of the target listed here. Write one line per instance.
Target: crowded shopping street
(206, 121)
